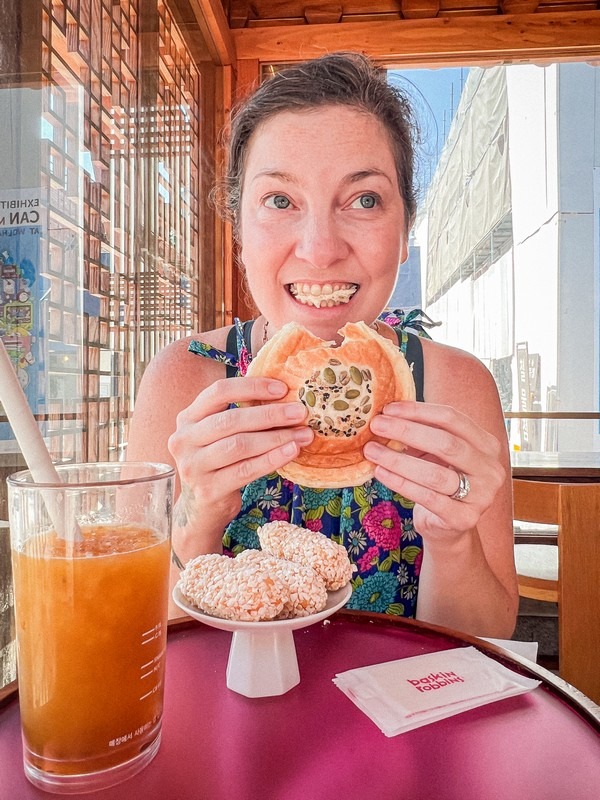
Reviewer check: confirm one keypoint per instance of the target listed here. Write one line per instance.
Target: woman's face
(322, 220)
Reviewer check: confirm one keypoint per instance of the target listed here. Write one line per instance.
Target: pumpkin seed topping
(334, 409)
(356, 375)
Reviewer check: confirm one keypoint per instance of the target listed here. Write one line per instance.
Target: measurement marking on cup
(151, 667)
(150, 672)
(152, 634)
(152, 691)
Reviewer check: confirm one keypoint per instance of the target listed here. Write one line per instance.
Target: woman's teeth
(325, 296)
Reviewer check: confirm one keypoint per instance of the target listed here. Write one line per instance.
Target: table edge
(580, 702)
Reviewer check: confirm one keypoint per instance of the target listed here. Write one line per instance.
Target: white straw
(28, 435)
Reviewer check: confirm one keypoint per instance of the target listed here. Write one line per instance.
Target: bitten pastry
(327, 558)
(342, 388)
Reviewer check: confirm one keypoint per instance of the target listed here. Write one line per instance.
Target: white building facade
(509, 242)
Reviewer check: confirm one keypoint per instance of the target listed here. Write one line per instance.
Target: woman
(320, 191)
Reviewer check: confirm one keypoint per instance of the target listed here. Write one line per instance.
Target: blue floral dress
(372, 522)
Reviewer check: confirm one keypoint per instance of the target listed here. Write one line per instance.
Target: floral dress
(372, 522)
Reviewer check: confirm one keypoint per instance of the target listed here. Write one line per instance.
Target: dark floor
(538, 622)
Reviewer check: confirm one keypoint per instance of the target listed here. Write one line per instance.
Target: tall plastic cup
(91, 614)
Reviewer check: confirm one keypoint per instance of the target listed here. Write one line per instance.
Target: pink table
(314, 744)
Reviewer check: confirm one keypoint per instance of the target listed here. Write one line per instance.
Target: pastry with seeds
(342, 388)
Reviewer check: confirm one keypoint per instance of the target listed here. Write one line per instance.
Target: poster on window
(23, 226)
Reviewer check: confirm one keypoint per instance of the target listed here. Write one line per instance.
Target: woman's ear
(403, 249)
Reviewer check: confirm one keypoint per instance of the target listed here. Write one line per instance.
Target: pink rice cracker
(230, 589)
(305, 590)
(326, 557)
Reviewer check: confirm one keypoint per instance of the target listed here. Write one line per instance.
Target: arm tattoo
(176, 560)
(184, 506)
(182, 514)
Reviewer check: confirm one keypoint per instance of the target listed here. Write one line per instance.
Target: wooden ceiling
(423, 32)
(262, 13)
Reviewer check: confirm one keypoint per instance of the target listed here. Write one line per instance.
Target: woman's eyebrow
(352, 177)
(364, 174)
(274, 173)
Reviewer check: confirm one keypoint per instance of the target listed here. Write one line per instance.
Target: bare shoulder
(458, 378)
(171, 382)
(179, 368)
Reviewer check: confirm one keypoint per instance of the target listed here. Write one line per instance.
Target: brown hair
(342, 78)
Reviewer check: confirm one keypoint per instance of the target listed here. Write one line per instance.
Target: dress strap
(238, 354)
(247, 326)
(231, 347)
(239, 342)
(411, 346)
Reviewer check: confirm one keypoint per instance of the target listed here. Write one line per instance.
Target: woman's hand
(441, 443)
(218, 449)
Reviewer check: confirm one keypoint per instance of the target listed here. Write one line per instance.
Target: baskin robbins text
(435, 680)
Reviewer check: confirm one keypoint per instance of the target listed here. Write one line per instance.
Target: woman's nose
(320, 241)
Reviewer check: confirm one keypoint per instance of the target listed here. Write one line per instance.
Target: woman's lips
(325, 295)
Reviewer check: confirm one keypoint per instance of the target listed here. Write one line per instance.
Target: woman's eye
(365, 201)
(277, 201)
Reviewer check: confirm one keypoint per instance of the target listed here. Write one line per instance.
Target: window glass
(99, 217)
(505, 247)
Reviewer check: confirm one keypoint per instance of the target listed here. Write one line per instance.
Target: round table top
(313, 742)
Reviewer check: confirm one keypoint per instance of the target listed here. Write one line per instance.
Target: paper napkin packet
(405, 694)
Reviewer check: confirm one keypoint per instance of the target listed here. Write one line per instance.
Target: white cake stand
(262, 657)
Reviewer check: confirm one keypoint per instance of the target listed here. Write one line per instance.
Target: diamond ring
(464, 487)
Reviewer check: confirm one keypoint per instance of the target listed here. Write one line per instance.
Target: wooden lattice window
(119, 167)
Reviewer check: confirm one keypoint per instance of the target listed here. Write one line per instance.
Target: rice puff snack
(327, 558)
(230, 589)
(305, 589)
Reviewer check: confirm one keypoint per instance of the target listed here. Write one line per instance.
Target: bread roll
(342, 388)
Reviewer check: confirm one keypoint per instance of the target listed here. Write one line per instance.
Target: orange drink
(91, 616)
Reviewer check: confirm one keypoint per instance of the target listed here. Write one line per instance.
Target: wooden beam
(443, 40)
(223, 256)
(210, 288)
(248, 78)
(215, 28)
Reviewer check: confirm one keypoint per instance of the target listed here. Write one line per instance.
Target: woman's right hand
(219, 449)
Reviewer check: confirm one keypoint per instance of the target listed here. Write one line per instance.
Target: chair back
(575, 508)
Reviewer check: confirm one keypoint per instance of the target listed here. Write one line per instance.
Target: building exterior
(508, 238)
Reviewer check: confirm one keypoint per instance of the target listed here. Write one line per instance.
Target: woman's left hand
(444, 450)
